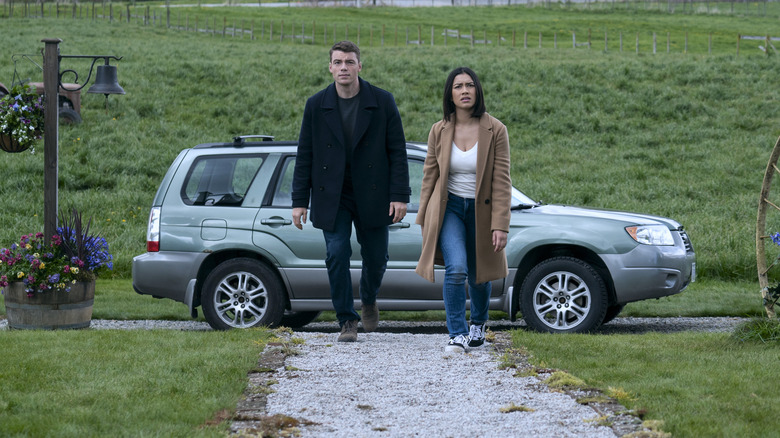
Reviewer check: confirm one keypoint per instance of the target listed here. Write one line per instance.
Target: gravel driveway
(398, 382)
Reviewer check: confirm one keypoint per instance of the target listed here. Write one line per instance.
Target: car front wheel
(563, 295)
(242, 293)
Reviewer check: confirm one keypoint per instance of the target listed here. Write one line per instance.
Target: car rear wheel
(298, 319)
(242, 293)
(563, 295)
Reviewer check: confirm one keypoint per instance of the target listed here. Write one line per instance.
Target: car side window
(220, 181)
(282, 192)
(415, 181)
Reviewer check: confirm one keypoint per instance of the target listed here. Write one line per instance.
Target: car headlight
(651, 234)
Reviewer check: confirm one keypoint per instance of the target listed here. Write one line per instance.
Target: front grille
(686, 240)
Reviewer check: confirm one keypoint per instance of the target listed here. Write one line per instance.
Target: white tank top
(463, 172)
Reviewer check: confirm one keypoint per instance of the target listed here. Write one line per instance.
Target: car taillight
(153, 232)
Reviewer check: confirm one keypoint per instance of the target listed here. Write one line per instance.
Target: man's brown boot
(370, 316)
(348, 331)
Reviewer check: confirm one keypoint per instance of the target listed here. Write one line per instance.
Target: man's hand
(499, 240)
(299, 217)
(397, 211)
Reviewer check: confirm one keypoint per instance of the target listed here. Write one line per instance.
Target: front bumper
(649, 272)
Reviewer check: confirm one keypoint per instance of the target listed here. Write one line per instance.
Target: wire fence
(393, 35)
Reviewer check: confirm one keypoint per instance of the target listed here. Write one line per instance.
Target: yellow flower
(20, 274)
(43, 265)
(74, 270)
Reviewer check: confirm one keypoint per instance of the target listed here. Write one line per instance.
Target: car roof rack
(240, 139)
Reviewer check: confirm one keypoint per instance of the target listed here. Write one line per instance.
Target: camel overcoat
(492, 201)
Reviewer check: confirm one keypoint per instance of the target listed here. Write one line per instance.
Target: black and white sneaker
(457, 344)
(476, 335)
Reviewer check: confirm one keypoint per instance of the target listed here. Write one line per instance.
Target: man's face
(344, 66)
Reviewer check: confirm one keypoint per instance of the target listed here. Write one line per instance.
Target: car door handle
(401, 225)
(276, 221)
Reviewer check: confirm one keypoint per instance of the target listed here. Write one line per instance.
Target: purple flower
(54, 278)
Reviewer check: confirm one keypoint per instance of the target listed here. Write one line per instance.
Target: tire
(298, 319)
(612, 312)
(563, 295)
(242, 293)
(69, 116)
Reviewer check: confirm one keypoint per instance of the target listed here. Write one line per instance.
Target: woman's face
(463, 91)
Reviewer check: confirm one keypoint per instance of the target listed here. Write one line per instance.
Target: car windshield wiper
(524, 206)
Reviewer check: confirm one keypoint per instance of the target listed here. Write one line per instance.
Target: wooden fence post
(637, 43)
(738, 38)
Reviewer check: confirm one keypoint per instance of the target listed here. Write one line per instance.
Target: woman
(464, 206)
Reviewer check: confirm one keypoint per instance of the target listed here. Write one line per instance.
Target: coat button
(322, 189)
(324, 167)
(329, 146)
(487, 201)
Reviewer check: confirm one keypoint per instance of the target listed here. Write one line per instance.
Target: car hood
(604, 214)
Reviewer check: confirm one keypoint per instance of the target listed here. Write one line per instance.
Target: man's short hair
(346, 47)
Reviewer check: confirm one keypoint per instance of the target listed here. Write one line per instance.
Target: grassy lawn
(122, 383)
(698, 384)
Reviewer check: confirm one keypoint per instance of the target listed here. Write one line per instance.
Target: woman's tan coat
(492, 201)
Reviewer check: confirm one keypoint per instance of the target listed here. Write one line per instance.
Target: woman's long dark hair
(479, 100)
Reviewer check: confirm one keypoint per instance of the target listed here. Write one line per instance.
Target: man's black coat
(380, 173)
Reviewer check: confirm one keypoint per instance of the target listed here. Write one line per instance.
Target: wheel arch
(217, 258)
(545, 252)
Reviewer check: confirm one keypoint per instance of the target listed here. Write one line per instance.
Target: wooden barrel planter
(49, 310)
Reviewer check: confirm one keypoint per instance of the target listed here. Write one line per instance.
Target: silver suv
(221, 237)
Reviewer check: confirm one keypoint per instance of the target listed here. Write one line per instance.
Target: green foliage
(760, 330)
(130, 383)
(699, 384)
(680, 135)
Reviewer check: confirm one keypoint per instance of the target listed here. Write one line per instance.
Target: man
(352, 166)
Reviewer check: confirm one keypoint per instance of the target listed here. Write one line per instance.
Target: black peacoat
(380, 172)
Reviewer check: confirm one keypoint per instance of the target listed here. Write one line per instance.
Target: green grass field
(685, 136)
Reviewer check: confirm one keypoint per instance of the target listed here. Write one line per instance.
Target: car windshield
(520, 199)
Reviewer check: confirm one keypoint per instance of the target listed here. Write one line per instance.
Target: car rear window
(220, 180)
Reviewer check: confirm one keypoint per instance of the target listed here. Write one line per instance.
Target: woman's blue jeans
(457, 241)
(373, 250)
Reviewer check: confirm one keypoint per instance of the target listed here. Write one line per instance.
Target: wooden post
(654, 44)
(51, 73)
(739, 37)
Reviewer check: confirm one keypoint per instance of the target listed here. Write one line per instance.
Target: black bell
(105, 81)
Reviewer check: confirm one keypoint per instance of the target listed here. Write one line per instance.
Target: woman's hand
(499, 240)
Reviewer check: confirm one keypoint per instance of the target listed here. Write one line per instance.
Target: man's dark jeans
(373, 251)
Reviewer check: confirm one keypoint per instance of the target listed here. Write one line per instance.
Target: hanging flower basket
(21, 119)
(9, 144)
